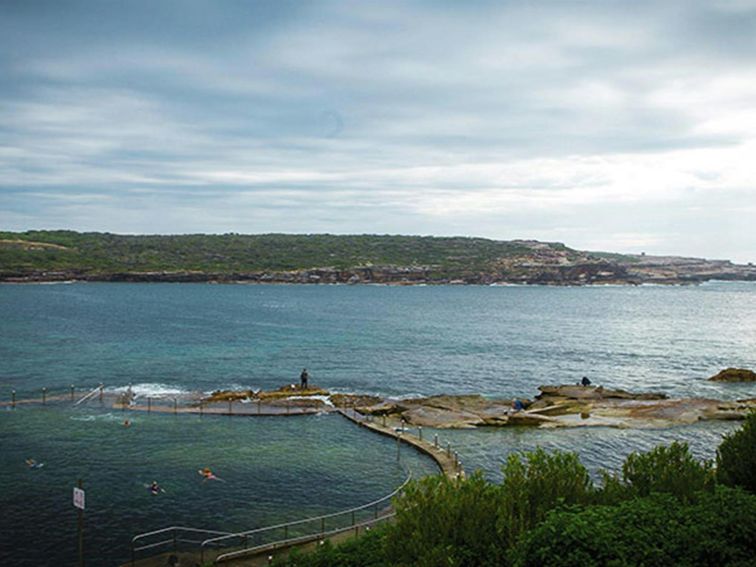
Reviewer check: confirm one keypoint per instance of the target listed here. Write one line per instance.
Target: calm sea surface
(392, 341)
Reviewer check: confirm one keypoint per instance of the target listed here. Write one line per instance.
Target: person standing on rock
(304, 378)
(585, 381)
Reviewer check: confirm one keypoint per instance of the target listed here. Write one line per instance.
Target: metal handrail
(173, 528)
(100, 386)
(173, 540)
(303, 538)
(214, 541)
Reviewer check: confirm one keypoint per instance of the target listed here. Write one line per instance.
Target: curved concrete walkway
(444, 458)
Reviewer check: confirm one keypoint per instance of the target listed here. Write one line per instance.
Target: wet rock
(555, 406)
(442, 418)
(530, 418)
(666, 413)
(593, 393)
(361, 401)
(290, 390)
(734, 375)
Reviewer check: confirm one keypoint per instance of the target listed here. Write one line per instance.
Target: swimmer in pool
(207, 474)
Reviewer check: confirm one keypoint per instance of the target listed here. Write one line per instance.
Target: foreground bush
(671, 470)
(446, 522)
(663, 509)
(536, 483)
(364, 551)
(719, 529)
(736, 456)
(475, 522)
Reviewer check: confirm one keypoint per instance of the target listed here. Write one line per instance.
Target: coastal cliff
(48, 256)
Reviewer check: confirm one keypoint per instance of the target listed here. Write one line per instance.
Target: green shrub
(736, 456)
(719, 529)
(612, 490)
(671, 470)
(661, 510)
(364, 551)
(446, 522)
(535, 483)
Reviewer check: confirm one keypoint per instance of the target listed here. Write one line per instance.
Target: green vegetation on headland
(664, 508)
(325, 258)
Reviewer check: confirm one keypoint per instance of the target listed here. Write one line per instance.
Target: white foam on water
(82, 417)
(235, 387)
(325, 399)
(360, 393)
(150, 390)
(100, 417)
(410, 396)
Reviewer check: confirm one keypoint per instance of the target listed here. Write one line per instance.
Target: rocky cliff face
(671, 269)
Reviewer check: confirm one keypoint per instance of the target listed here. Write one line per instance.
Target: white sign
(79, 498)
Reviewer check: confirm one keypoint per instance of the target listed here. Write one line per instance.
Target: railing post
(448, 449)
(102, 388)
(384, 420)
(13, 399)
(72, 392)
(420, 431)
(246, 541)
(44, 396)
(398, 445)
(435, 440)
(352, 517)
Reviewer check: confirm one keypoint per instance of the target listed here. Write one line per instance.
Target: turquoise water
(174, 338)
(387, 340)
(599, 448)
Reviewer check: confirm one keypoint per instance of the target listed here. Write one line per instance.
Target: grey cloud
(522, 119)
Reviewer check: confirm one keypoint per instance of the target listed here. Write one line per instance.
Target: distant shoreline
(58, 256)
(216, 279)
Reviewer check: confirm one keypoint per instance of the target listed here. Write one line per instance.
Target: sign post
(79, 502)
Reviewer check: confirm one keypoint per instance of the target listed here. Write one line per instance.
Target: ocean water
(392, 341)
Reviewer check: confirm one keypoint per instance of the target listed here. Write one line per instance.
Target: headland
(58, 256)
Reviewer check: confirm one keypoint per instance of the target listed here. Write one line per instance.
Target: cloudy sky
(607, 125)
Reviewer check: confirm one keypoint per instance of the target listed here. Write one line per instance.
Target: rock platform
(554, 406)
